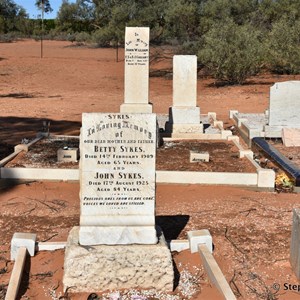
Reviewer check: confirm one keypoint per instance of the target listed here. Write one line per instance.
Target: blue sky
(33, 11)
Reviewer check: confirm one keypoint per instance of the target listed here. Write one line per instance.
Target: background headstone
(184, 115)
(284, 107)
(136, 88)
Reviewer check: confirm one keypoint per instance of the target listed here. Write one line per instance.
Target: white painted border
(261, 178)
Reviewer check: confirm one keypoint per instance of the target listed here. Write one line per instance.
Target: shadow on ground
(14, 129)
(172, 225)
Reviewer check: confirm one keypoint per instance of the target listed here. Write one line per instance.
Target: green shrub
(232, 52)
(82, 37)
(284, 47)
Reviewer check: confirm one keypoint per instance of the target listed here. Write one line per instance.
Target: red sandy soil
(251, 229)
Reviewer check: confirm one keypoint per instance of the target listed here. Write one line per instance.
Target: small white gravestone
(284, 107)
(67, 155)
(136, 94)
(184, 115)
(196, 156)
(117, 179)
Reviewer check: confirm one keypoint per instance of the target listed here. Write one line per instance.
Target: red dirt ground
(251, 229)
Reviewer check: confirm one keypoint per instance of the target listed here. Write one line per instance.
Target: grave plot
(276, 134)
(171, 156)
(43, 154)
(223, 157)
(228, 163)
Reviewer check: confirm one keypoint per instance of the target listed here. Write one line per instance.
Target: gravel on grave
(172, 156)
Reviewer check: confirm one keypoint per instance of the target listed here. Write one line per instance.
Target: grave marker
(117, 179)
(117, 245)
(184, 115)
(136, 89)
(284, 107)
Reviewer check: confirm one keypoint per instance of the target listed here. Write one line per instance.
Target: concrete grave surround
(136, 88)
(22, 239)
(117, 179)
(284, 107)
(184, 115)
(104, 267)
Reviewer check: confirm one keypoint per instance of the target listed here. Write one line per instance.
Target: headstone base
(102, 267)
(291, 137)
(187, 128)
(136, 108)
(184, 114)
(117, 235)
(276, 131)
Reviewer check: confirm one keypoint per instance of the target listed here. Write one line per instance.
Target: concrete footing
(103, 267)
(214, 272)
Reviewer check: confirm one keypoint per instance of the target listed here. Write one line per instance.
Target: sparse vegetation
(234, 39)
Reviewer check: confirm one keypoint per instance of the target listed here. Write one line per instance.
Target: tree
(76, 17)
(284, 46)
(44, 6)
(182, 18)
(11, 16)
(232, 52)
(111, 17)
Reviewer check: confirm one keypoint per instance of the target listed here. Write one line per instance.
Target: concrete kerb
(198, 239)
(262, 177)
(21, 244)
(214, 272)
(25, 147)
(16, 275)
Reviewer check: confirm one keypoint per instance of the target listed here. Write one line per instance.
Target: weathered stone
(106, 267)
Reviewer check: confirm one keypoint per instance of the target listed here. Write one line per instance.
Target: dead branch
(45, 204)
(232, 243)
(235, 288)
(52, 236)
(248, 211)
(28, 212)
(45, 274)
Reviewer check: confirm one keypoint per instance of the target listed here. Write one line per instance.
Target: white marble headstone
(185, 80)
(136, 82)
(284, 107)
(117, 179)
(184, 115)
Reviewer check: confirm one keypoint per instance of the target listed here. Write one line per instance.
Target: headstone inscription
(136, 94)
(117, 181)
